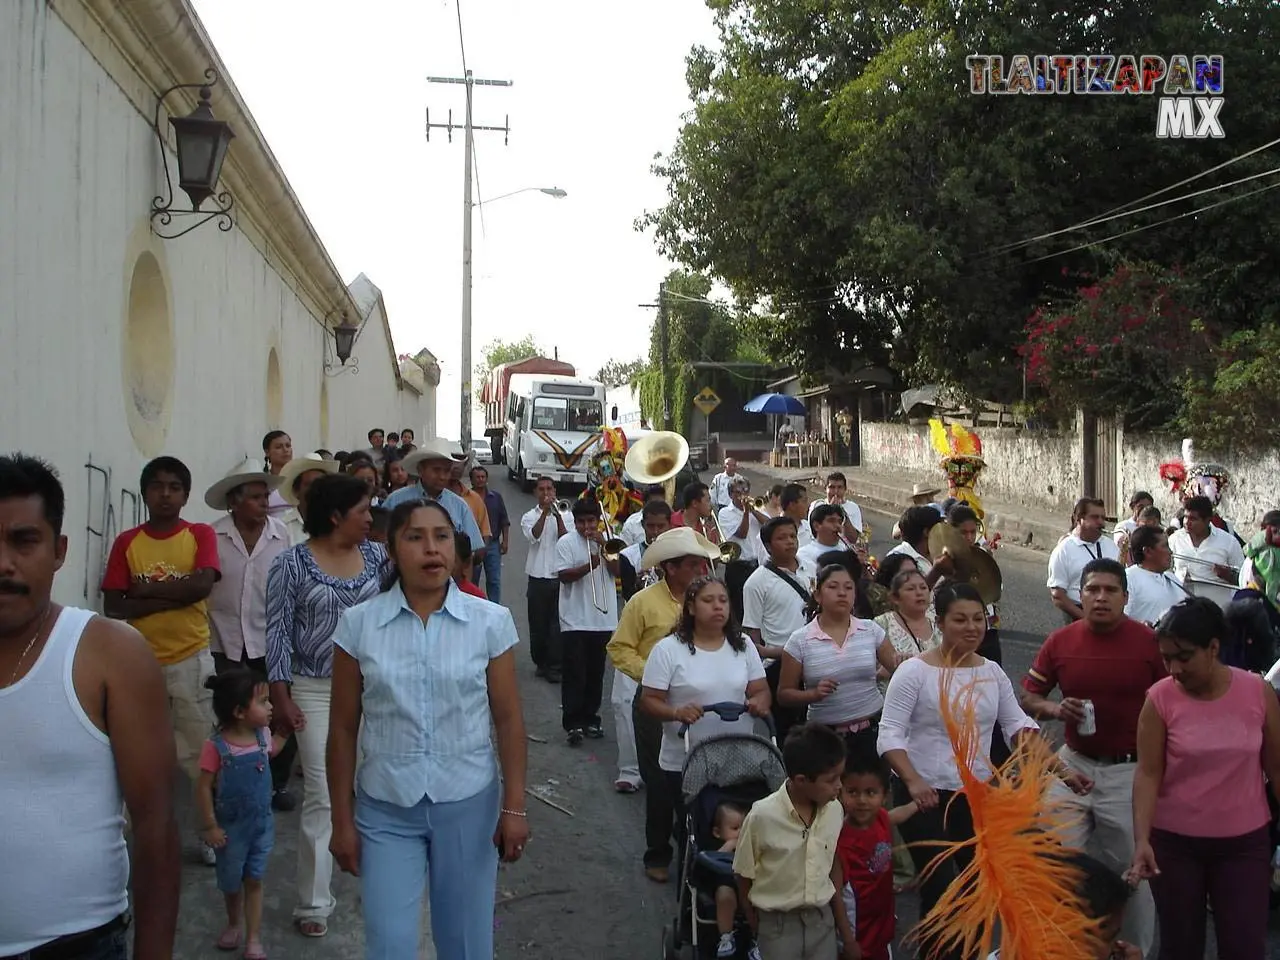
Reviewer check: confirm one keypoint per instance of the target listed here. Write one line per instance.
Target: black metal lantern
(202, 142)
(344, 338)
(202, 146)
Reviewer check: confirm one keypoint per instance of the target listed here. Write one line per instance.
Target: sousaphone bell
(972, 564)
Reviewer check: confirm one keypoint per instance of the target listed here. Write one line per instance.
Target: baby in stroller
(725, 827)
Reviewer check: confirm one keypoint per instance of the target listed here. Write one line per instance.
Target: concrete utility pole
(469, 128)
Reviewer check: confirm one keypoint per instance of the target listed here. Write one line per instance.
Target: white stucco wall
(1031, 469)
(78, 169)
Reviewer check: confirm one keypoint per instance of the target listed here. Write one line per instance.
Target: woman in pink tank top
(1206, 736)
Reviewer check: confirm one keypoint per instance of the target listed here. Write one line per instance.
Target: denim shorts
(244, 856)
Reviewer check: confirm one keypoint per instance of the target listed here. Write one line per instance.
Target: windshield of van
(560, 413)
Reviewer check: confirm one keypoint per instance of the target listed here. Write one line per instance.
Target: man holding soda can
(1103, 664)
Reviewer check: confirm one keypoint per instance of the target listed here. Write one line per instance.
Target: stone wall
(1255, 480)
(1040, 471)
(1032, 469)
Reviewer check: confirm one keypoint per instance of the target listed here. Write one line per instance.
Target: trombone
(729, 551)
(609, 553)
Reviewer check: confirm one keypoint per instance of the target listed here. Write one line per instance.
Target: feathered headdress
(961, 442)
(1018, 879)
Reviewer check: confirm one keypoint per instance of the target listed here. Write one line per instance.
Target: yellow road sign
(706, 400)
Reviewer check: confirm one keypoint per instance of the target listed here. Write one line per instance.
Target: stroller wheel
(670, 946)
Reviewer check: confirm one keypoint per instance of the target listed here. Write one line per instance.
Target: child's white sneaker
(728, 946)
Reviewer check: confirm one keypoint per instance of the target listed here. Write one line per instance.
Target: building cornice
(147, 46)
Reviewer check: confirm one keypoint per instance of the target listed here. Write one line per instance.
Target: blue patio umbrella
(778, 403)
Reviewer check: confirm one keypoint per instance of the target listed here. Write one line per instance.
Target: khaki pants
(1104, 829)
(315, 862)
(805, 934)
(190, 707)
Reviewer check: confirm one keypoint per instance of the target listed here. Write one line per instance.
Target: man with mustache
(74, 752)
(1109, 661)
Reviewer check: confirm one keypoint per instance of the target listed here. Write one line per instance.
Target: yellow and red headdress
(961, 452)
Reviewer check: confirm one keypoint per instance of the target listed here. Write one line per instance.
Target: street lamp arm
(556, 192)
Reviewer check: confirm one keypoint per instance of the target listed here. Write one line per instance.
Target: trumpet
(759, 503)
(562, 506)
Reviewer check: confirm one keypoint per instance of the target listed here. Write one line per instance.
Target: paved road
(580, 891)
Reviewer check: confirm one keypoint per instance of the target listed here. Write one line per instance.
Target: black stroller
(726, 767)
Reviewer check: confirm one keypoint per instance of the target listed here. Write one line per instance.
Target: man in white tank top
(67, 677)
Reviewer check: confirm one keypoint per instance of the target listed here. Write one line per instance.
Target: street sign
(706, 400)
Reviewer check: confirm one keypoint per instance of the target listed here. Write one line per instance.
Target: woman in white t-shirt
(706, 660)
(836, 655)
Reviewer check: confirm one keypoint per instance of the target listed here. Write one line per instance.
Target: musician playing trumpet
(588, 617)
(837, 495)
(826, 521)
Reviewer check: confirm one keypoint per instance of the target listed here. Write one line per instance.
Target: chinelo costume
(961, 452)
(1187, 477)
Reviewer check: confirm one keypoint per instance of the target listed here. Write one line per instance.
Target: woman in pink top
(1206, 736)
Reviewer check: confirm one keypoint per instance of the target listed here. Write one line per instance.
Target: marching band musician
(795, 504)
(1067, 561)
(837, 491)
(1206, 553)
(543, 526)
(741, 522)
(1124, 529)
(1152, 591)
(656, 520)
(633, 526)
(697, 512)
(825, 523)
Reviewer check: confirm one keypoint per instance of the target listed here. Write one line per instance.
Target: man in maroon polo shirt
(1110, 660)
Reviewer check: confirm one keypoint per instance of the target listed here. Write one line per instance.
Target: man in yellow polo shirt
(158, 577)
(650, 615)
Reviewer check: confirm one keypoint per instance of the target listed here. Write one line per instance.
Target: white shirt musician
(720, 496)
(826, 521)
(837, 492)
(1152, 589)
(1203, 552)
(741, 522)
(1073, 552)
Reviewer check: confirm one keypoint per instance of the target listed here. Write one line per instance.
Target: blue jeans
(490, 560)
(447, 847)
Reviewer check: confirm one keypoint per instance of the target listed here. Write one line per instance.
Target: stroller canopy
(729, 759)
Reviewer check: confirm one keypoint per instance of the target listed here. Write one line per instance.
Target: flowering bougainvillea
(1123, 344)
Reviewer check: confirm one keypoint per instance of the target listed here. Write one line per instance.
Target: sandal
(253, 951)
(230, 939)
(312, 927)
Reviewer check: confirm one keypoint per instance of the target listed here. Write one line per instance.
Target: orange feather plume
(1017, 879)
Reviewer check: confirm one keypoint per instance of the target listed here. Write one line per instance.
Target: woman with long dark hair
(1207, 736)
(277, 450)
(705, 660)
(914, 739)
(836, 655)
(309, 587)
(429, 668)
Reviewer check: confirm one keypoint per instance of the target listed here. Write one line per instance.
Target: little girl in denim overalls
(233, 799)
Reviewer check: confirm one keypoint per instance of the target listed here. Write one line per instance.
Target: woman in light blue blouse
(309, 587)
(428, 667)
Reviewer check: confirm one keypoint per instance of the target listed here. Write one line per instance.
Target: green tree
(617, 373)
(498, 351)
(835, 168)
(1239, 405)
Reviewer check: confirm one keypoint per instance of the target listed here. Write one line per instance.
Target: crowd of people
(332, 620)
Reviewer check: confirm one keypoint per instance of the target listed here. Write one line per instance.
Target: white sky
(338, 89)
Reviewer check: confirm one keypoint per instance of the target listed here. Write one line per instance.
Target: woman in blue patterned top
(308, 589)
(428, 667)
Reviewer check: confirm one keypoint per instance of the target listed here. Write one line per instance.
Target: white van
(553, 427)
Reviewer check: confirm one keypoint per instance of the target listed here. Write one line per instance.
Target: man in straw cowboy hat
(682, 555)
(249, 539)
(295, 478)
(433, 464)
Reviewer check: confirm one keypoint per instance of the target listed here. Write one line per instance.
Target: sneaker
(208, 855)
(727, 947)
(753, 953)
(595, 731)
(283, 800)
(575, 737)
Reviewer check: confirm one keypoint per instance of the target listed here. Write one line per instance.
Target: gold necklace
(30, 643)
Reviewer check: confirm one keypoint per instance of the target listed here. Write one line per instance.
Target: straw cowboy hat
(248, 472)
(296, 467)
(433, 449)
(924, 490)
(676, 543)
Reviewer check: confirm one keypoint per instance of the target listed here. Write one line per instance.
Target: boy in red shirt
(865, 854)
(462, 566)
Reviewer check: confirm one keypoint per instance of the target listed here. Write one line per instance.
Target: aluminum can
(1089, 725)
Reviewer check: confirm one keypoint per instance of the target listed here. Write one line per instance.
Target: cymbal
(986, 577)
(944, 536)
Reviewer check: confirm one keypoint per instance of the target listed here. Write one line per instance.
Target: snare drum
(1219, 591)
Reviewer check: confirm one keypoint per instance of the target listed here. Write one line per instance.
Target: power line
(1148, 226)
(1108, 215)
